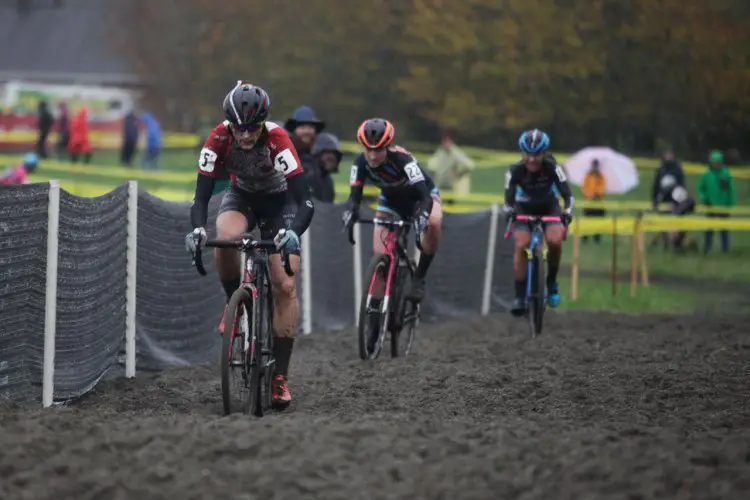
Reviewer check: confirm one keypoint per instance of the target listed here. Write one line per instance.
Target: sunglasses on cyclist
(247, 127)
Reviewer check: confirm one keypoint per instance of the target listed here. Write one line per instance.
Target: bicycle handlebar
(382, 222)
(535, 218)
(246, 243)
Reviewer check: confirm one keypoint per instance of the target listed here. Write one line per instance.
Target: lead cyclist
(266, 189)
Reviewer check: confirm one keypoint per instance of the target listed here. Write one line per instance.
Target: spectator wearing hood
(63, 130)
(668, 176)
(130, 132)
(45, 120)
(153, 142)
(716, 189)
(303, 127)
(327, 153)
(79, 143)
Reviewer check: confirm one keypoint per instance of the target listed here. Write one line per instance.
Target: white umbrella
(618, 170)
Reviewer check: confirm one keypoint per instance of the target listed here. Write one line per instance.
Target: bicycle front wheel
(235, 353)
(405, 315)
(263, 332)
(373, 318)
(537, 301)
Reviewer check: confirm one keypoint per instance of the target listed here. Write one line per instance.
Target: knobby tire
(240, 298)
(377, 262)
(537, 303)
(405, 315)
(264, 328)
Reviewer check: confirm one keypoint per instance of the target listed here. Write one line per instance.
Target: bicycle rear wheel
(405, 315)
(235, 354)
(537, 302)
(373, 321)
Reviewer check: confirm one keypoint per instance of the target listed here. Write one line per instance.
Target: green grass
(730, 268)
(595, 259)
(595, 295)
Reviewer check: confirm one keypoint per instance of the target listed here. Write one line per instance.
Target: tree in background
(629, 74)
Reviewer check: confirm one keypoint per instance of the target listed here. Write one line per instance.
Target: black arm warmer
(355, 196)
(300, 189)
(510, 192)
(204, 188)
(566, 193)
(425, 197)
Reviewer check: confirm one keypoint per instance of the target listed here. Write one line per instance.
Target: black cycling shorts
(271, 212)
(542, 209)
(405, 206)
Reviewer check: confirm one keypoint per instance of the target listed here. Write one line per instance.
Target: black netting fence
(177, 310)
(91, 286)
(23, 263)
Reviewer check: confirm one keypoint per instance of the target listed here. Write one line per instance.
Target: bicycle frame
(394, 242)
(537, 239)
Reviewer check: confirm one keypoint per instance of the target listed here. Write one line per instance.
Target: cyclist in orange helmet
(406, 192)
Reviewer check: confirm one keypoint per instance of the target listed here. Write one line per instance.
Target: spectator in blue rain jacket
(153, 141)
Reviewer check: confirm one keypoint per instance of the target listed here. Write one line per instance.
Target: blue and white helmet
(31, 160)
(533, 142)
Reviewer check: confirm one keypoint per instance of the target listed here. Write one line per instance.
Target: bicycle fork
(387, 293)
(535, 242)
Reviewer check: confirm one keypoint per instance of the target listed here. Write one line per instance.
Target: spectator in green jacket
(716, 189)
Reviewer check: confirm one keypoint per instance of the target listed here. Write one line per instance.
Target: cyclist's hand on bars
(288, 240)
(567, 215)
(350, 217)
(195, 239)
(421, 221)
(508, 211)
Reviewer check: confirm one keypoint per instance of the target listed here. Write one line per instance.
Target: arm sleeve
(681, 177)
(655, 187)
(511, 183)
(204, 188)
(425, 197)
(702, 195)
(561, 181)
(586, 189)
(300, 189)
(466, 164)
(356, 185)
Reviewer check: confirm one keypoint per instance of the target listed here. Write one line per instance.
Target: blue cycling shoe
(553, 295)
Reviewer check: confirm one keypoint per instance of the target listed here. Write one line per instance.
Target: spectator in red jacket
(79, 144)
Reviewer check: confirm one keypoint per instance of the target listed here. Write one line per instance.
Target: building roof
(69, 42)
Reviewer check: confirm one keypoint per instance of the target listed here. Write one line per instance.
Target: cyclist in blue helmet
(532, 187)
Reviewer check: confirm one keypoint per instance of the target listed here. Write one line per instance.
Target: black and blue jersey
(537, 189)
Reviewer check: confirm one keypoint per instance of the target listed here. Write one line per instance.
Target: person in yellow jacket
(594, 187)
(451, 168)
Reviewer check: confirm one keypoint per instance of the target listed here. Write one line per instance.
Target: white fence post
(306, 284)
(50, 303)
(132, 257)
(357, 253)
(490, 264)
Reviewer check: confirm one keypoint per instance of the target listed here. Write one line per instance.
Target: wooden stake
(634, 257)
(576, 261)
(642, 256)
(614, 255)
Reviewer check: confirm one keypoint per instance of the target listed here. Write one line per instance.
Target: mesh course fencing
(23, 262)
(177, 310)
